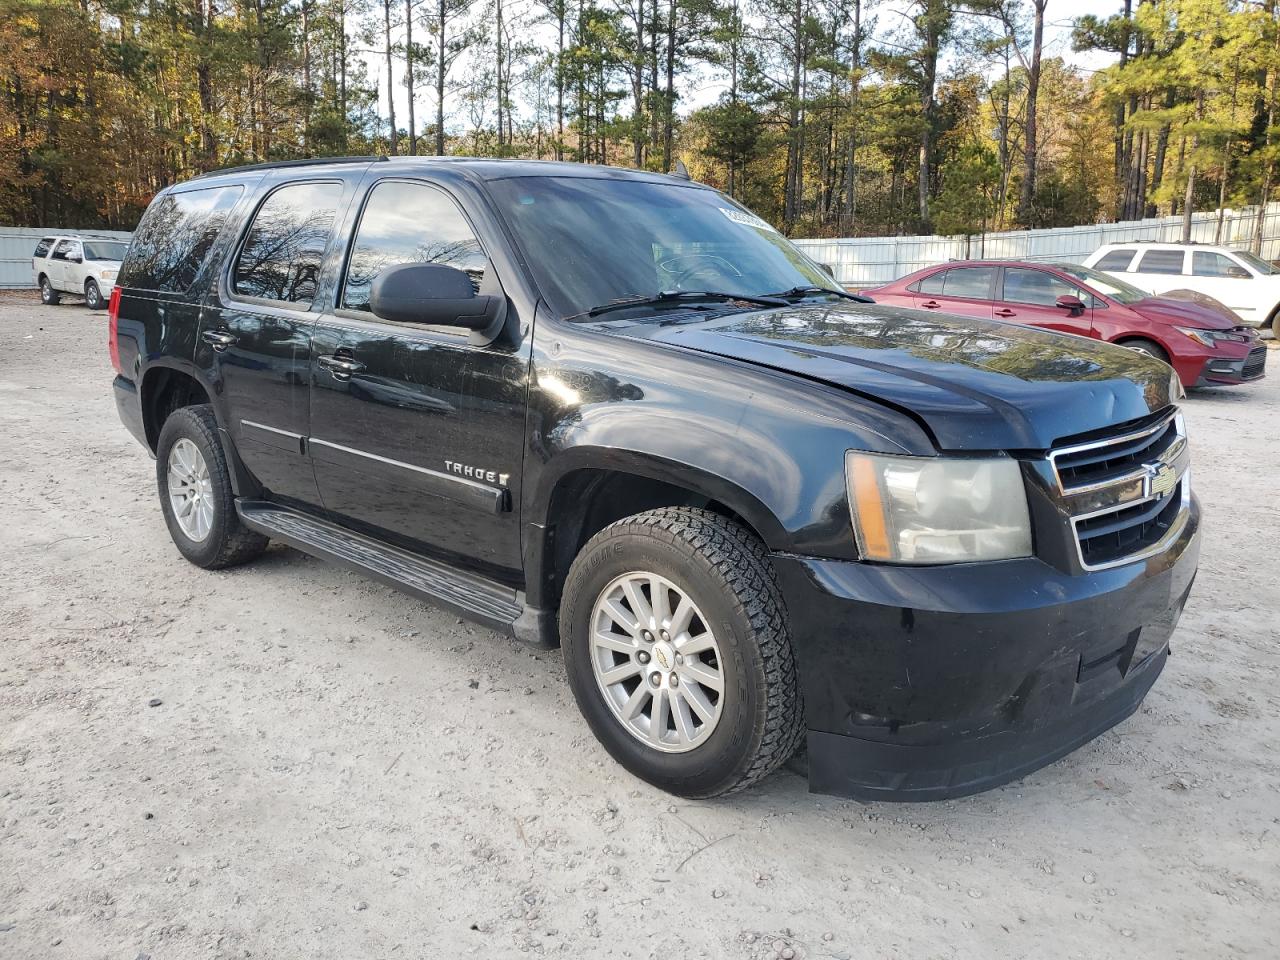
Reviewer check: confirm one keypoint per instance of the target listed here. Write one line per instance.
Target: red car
(1204, 344)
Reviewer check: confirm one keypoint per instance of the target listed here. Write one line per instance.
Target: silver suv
(83, 266)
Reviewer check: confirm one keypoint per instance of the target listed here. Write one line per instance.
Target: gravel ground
(286, 760)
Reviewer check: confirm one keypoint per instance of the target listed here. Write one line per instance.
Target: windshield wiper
(678, 296)
(801, 292)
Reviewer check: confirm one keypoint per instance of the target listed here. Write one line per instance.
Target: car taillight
(113, 334)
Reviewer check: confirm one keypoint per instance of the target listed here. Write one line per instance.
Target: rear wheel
(92, 295)
(48, 296)
(1149, 347)
(678, 652)
(196, 495)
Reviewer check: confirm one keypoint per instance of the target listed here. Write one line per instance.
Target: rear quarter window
(174, 239)
(43, 247)
(1117, 261)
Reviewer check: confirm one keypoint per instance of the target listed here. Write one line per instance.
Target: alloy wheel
(656, 660)
(190, 490)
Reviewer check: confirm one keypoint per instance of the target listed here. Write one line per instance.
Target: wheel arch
(165, 387)
(595, 487)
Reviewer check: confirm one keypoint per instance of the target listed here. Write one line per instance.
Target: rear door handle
(1006, 313)
(218, 339)
(341, 367)
(931, 304)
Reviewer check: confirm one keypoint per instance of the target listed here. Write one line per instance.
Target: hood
(975, 384)
(1187, 309)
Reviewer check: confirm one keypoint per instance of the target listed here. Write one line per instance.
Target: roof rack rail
(305, 162)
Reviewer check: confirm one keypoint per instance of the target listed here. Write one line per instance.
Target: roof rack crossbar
(275, 164)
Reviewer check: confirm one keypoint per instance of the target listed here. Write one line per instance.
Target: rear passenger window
(175, 237)
(409, 223)
(1161, 261)
(43, 247)
(1035, 287)
(283, 249)
(971, 282)
(1117, 261)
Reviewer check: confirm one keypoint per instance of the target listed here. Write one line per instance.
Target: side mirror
(1073, 304)
(75, 259)
(1238, 273)
(432, 294)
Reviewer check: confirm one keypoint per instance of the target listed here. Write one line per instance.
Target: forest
(828, 117)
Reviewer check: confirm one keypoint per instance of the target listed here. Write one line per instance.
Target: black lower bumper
(929, 683)
(129, 406)
(1217, 371)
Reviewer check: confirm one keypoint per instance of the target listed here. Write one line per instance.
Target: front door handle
(218, 339)
(1005, 312)
(931, 304)
(341, 367)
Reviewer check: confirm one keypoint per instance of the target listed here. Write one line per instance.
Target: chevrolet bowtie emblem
(1160, 479)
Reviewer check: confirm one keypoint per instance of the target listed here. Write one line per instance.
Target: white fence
(18, 243)
(867, 261)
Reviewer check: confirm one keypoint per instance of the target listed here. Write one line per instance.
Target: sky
(704, 87)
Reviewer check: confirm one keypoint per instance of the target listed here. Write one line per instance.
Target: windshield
(104, 250)
(1262, 266)
(1105, 284)
(590, 241)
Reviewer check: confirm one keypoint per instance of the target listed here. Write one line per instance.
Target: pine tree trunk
(1026, 207)
(393, 138)
(408, 74)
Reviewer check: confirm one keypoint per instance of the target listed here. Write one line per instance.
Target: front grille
(1102, 456)
(1125, 489)
(1255, 363)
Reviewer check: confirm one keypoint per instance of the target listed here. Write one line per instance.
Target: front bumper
(1252, 366)
(926, 683)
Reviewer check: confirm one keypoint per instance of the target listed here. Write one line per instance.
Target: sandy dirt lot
(288, 761)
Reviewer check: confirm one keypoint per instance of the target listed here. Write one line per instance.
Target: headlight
(108, 274)
(1202, 337)
(936, 510)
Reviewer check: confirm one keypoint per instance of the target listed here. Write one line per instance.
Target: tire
(1149, 347)
(48, 296)
(724, 571)
(92, 295)
(226, 541)
(1275, 324)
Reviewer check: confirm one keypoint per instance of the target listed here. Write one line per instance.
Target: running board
(475, 597)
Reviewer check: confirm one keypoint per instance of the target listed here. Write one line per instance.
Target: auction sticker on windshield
(747, 219)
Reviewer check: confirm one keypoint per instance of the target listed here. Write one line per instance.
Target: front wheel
(678, 652)
(196, 495)
(48, 296)
(1147, 347)
(92, 295)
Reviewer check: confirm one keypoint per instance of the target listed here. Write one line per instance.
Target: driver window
(409, 223)
(63, 250)
(1207, 264)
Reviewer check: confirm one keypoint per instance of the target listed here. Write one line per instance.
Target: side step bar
(470, 595)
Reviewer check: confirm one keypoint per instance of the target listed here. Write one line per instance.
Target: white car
(1246, 284)
(81, 266)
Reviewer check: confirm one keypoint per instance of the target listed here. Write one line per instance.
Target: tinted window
(971, 282)
(104, 250)
(1206, 264)
(1117, 260)
(1161, 261)
(408, 223)
(175, 238)
(282, 251)
(63, 249)
(1035, 287)
(932, 284)
(43, 247)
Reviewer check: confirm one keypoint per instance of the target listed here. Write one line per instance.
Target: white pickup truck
(82, 266)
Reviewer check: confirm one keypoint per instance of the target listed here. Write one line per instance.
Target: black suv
(616, 411)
